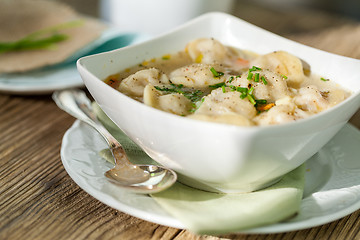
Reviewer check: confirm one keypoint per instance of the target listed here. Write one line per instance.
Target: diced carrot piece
(265, 107)
(242, 62)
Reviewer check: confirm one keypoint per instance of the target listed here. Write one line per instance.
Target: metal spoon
(139, 178)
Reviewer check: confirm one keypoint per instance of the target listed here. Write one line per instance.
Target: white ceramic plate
(332, 188)
(65, 75)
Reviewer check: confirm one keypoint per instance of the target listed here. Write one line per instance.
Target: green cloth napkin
(215, 213)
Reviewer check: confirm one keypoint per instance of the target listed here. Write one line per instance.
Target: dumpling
(207, 51)
(310, 99)
(211, 51)
(173, 103)
(219, 102)
(282, 63)
(134, 84)
(196, 75)
(275, 86)
(283, 111)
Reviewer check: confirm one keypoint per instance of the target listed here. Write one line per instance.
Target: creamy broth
(212, 82)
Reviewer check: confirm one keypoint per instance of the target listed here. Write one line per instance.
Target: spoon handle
(76, 103)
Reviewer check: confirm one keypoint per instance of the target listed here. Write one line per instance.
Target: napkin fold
(214, 213)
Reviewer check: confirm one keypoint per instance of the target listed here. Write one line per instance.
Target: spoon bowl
(156, 179)
(144, 179)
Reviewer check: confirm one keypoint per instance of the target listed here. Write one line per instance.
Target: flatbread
(18, 18)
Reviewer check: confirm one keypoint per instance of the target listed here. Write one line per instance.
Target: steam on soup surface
(213, 82)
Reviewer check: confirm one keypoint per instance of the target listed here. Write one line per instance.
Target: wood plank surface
(38, 200)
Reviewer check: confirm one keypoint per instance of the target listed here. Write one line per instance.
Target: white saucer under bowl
(332, 188)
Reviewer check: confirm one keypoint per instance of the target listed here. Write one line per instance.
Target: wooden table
(38, 200)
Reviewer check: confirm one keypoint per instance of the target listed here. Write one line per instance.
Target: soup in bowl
(230, 107)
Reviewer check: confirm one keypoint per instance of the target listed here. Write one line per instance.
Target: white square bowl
(212, 156)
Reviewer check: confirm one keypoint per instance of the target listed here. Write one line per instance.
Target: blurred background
(279, 16)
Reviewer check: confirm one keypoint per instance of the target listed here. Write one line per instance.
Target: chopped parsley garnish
(250, 96)
(42, 39)
(251, 99)
(257, 77)
(283, 76)
(193, 95)
(243, 91)
(250, 75)
(197, 96)
(217, 85)
(324, 79)
(254, 69)
(232, 87)
(246, 92)
(196, 105)
(215, 73)
(251, 90)
(243, 95)
(261, 101)
(264, 80)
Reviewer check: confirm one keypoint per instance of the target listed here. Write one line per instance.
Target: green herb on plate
(42, 39)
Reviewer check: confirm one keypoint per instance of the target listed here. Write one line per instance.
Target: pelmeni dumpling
(134, 84)
(283, 111)
(219, 102)
(274, 88)
(173, 103)
(311, 99)
(283, 63)
(196, 75)
(207, 51)
(211, 51)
